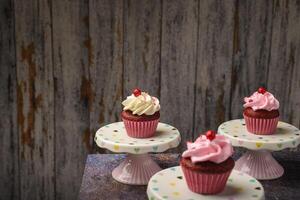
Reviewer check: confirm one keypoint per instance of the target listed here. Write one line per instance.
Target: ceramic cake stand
(258, 160)
(170, 184)
(138, 167)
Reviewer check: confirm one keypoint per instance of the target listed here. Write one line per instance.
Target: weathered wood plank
(106, 74)
(284, 67)
(35, 99)
(251, 42)
(71, 61)
(200, 57)
(214, 62)
(9, 167)
(178, 63)
(142, 46)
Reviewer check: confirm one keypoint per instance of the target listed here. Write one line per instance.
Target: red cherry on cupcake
(262, 90)
(137, 92)
(210, 135)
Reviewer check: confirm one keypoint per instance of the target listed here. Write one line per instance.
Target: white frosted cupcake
(140, 114)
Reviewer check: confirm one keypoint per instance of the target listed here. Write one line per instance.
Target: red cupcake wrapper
(205, 183)
(260, 126)
(140, 129)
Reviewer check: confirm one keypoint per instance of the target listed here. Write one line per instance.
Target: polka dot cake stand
(258, 160)
(138, 167)
(170, 184)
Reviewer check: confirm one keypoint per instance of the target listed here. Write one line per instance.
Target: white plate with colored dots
(286, 136)
(170, 184)
(114, 138)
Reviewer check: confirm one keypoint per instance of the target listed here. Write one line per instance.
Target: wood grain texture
(35, 99)
(142, 44)
(106, 74)
(251, 55)
(67, 65)
(71, 74)
(9, 155)
(284, 69)
(178, 64)
(214, 63)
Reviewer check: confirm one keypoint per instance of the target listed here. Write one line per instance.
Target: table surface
(97, 182)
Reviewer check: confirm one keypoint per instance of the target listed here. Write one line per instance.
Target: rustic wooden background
(67, 65)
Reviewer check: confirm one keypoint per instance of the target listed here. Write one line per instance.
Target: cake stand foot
(136, 169)
(259, 164)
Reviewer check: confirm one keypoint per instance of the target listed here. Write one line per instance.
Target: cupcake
(140, 114)
(261, 112)
(207, 163)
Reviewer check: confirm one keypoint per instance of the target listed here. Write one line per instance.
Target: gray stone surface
(98, 184)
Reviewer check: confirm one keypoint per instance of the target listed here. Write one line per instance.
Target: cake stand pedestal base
(136, 169)
(138, 166)
(259, 164)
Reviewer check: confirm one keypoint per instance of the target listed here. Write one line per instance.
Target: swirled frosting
(259, 101)
(217, 150)
(142, 104)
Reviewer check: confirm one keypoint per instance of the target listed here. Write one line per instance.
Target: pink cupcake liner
(205, 183)
(138, 129)
(261, 126)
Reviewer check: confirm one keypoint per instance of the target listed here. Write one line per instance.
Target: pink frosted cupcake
(261, 112)
(207, 163)
(140, 114)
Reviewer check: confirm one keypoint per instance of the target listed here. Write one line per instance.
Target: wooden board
(35, 92)
(72, 101)
(214, 63)
(66, 66)
(142, 45)
(178, 64)
(251, 55)
(105, 87)
(284, 67)
(9, 155)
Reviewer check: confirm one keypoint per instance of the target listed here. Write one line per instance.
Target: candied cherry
(137, 92)
(262, 90)
(210, 135)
